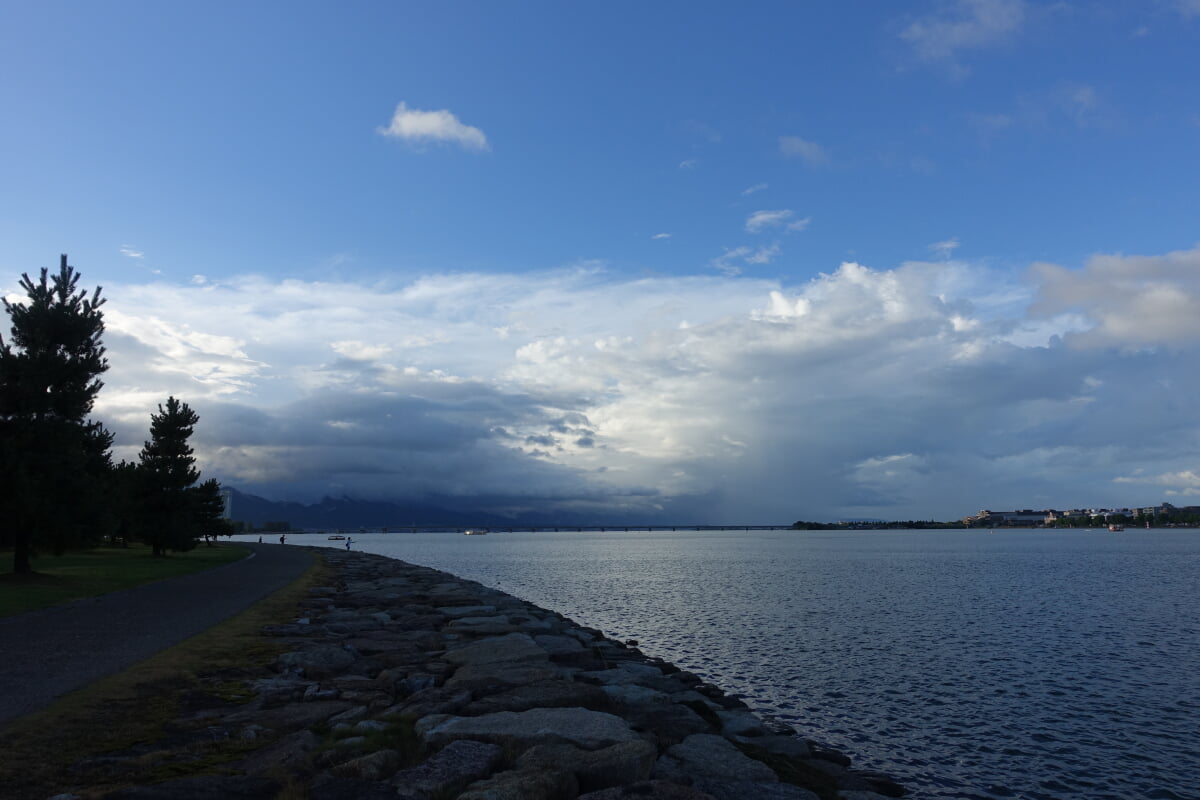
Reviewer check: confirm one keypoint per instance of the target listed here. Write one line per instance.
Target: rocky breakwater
(406, 682)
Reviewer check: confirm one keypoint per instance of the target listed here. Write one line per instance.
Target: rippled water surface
(1019, 664)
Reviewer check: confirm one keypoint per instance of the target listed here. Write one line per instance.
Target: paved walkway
(49, 652)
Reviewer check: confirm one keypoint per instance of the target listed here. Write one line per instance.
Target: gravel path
(49, 652)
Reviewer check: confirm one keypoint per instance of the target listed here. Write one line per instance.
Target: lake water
(968, 664)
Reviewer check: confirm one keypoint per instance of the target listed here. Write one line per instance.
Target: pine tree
(168, 473)
(51, 456)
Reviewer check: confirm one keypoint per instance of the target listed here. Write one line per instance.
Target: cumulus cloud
(925, 389)
(414, 125)
(807, 151)
(1127, 301)
(963, 26)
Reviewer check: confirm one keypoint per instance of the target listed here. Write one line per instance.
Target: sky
(711, 262)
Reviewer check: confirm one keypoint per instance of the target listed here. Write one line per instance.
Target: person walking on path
(283, 538)
(348, 543)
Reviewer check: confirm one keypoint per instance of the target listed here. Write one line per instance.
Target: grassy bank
(99, 571)
(63, 746)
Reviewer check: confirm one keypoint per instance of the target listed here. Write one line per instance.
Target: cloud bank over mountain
(927, 389)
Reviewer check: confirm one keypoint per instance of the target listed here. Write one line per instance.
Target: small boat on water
(475, 532)
(336, 538)
(1115, 527)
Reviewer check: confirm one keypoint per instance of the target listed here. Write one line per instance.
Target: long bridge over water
(542, 528)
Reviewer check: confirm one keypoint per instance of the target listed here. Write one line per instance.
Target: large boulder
(543, 694)
(318, 661)
(501, 674)
(523, 785)
(589, 730)
(449, 770)
(705, 755)
(497, 649)
(649, 790)
(619, 764)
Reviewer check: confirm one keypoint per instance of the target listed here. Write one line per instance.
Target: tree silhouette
(168, 473)
(51, 456)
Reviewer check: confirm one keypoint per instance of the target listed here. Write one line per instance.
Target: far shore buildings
(1028, 518)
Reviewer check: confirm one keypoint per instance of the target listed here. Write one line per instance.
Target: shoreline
(406, 681)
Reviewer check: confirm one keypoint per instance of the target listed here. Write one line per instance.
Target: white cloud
(808, 151)
(764, 255)
(1129, 301)
(689, 163)
(945, 248)
(1186, 482)
(661, 236)
(360, 351)
(758, 187)
(725, 263)
(929, 389)
(131, 252)
(965, 25)
(418, 126)
(782, 218)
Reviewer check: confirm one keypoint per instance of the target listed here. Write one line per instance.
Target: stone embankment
(406, 682)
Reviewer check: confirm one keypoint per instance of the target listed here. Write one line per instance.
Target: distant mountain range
(345, 512)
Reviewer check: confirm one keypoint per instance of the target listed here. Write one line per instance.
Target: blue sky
(756, 262)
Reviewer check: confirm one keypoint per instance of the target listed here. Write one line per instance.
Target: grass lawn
(99, 571)
(46, 752)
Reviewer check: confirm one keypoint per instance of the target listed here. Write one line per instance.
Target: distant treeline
(1170, 519)
(910, 524)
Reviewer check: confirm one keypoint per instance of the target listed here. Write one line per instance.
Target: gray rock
(557, 645)
(741, 723)
(630, 694)
(372, 767)
(449, 770)
(520, 785)
(543, 694)
(367, 726)
(619, 764)
(708, 756)
(287, 753)
(482, 676)
(330, 787)
(590, 730)
(315, 692)
(649, 790)
(670, 723)
(349, 716)
(496, 650)
(319, 661)
(458, 612)
(438, 700)
(274, 692)
(791, 746)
